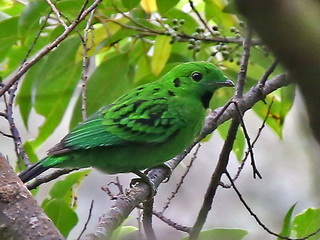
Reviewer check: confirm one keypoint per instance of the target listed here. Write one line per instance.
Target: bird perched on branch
(141, 129)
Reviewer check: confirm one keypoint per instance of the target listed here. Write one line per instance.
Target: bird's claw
(144, 179)
(168, 171)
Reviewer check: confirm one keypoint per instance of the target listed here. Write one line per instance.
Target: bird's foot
(167, 168)
(145, 179)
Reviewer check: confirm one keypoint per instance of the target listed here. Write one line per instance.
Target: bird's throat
(205, 99)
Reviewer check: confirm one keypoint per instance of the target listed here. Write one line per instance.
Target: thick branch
(20, 215)
(125, 204)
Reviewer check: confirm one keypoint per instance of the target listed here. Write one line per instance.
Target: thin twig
(132, 20)
(261, 224)
(6, 135)
(58, 13)
(118, 185)
(166, 205)
(83, 7)
(268, 72)
(85, 66)
(250, 148)
(35, 40)
(147, 219)
(200, 17)
(13, 128)
(182, 37)
(253, 143)
(243, 66)
(3, 115)
(49, 177)
(172, 223)
(88, 220)
(215, 179)
(48, 49)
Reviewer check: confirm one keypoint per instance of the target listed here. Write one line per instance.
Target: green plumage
(141, 129)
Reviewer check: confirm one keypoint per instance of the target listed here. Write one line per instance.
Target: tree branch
(243, 66)
(58, 13)
(215, 179)
(20, 215)
(147, 219)
(46, 50)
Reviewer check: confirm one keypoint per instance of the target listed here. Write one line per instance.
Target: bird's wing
(88, 134)
(152, 121)
(139, 121)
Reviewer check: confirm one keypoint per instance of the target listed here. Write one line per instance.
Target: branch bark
(20, 215)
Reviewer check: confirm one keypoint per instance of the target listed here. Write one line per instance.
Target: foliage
(130, 42)
(62, 201)
(303, 224)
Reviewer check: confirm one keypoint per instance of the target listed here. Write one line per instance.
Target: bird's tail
(32, 172)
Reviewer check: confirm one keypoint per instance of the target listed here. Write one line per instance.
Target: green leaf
(287, 224)
(30, 18)
(107, 8)
(306, 223)
(260, 60)
(274, 117)
(161, 53)
(287, 98)
(71, 8)
(221, 233)
(117, 36)
(68, 187)
(230, 7)
(239, 143)
(108, 82)
(214, 11)
(8, 35)
(129, 4)
(123, 231)
(30, 152)
(17, 52)
(61, 204)
(142, 68)
(166, 5)
(24, 98)
(11, 8)
(49, 85)
(63, 217)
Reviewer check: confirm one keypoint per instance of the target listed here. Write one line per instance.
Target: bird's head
(197, 79)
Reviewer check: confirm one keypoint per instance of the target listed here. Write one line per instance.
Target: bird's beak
(227, 83)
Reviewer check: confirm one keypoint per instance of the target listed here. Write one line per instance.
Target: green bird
(141, 129)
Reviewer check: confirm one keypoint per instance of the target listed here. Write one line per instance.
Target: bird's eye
(196, 76)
